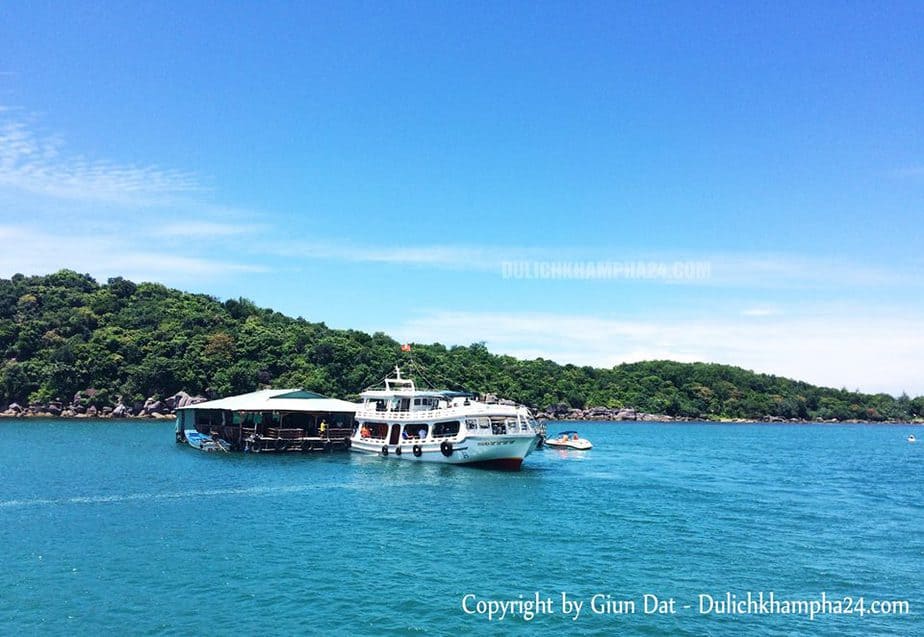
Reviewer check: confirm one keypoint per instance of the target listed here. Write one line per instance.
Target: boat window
(414, 432)
(498, 426)
(450, 428)
(484, 423)
(471, 424)
(400, 404)
(374, 430)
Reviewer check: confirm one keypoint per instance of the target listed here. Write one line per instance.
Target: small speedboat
(911, 438)
(568, 440)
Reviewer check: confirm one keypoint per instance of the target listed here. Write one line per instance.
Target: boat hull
(499, 452)
(578, 445)
(202, 442)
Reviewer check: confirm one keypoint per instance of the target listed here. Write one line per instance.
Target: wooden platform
(277, 440)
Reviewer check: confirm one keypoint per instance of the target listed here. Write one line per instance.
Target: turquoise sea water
(110, 526)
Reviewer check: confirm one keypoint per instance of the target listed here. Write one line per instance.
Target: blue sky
(374, 165)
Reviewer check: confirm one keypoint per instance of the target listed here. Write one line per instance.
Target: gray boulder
(191, 400)
(155, 407)
(177, 400)
(558, 409)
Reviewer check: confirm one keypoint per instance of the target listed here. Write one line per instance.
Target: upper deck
(401, 400)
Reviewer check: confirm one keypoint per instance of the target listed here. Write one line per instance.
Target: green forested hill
(64, 333)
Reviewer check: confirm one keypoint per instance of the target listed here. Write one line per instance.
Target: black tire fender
(417, 451)
(446, 448)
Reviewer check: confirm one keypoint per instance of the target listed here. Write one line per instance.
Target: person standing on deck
(323, 427)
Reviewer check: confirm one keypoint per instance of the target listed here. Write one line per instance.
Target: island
(74, 347)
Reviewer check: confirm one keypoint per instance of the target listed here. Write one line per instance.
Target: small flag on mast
(406, 348)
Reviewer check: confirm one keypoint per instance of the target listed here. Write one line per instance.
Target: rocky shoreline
(81, 406)
(566, 413)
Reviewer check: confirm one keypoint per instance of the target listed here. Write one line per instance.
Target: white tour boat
(568, 440)
(400, 421)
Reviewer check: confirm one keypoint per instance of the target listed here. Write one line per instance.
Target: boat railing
(282, 433)
(429, 414)
(285, 434)
(338, 432)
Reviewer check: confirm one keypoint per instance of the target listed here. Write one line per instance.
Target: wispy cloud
(40, 163)
(729, 270)
(881, 351)
(909, 171)
(760, 311)
(192, 229)
(787, 271)
(453, 257)
(63, 209)
(32, 251)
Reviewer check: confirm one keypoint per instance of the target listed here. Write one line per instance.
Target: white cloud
(64, 210)
(39, 163)
(760, 311)
(31, 251)
(453, 257)
(773, 271)
(910, 171)
(206, 229)
(788, 271)
(871, 351)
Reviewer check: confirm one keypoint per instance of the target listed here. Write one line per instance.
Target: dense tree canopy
(63, 333)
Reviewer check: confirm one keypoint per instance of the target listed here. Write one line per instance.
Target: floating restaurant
(270, 420)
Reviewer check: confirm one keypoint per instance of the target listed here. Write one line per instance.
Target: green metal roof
(301, 393)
